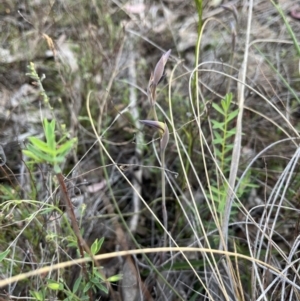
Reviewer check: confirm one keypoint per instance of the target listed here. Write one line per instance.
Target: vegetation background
(203, 204)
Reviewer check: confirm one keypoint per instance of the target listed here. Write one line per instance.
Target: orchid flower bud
(162, 129)
(156, 77)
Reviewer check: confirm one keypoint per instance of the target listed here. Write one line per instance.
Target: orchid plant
(161, 127)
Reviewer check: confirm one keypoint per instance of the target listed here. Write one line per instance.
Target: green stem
(163, 189)
(224, 144)
(197, 50)
(288, 27)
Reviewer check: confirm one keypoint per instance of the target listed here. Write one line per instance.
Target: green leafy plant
(54, 152)
(51, 152)
(223, 132)
(82, 286)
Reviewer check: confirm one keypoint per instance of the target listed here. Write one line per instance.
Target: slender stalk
(199, 9)
(236, 152)
(80, 241)
(162, 128)
(288, 26)
(163, 192)
(163, 186)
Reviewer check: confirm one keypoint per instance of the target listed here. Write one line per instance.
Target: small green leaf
(230, 133)
(98, 274)
(37, 295)
(228, 149)
(218, 153)
(77, 283)
(72, 244)
(50, 133)
(66, 147)
(58, 159)
(41, 145)
(55, 286)
(100, 242)
(232, 115)
(96, 246)
(87, 287)
(102, 288)
(218, 139)
(217, 125)
(42, 156)
(4, 254)
(218, 108)
(115, 278)
(31, 156)
(226, 101)
(94, 280)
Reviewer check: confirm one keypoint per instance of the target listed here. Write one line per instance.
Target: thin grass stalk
(289, 29)
(121, 216)
(197, 115)
(236, 153)
(277, 193)
(163, 191)
(170, 181)
(110, 83)
(40, 271)
(177, 140)
(202, 138)
(285, 82)
(234, 29)
(139, 147)
(199, 9)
